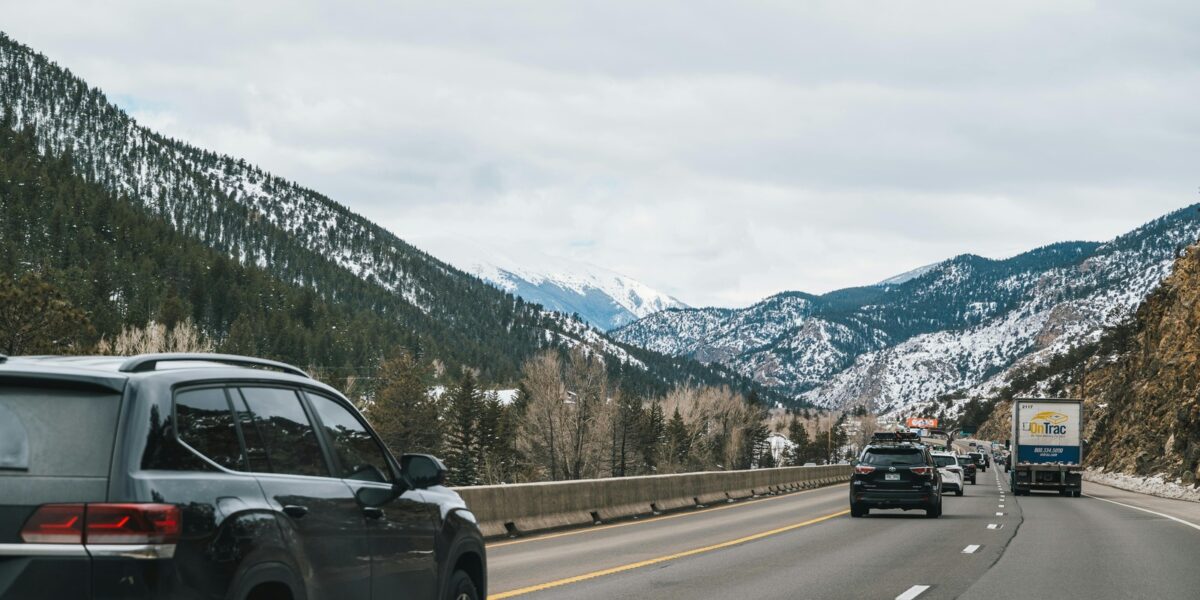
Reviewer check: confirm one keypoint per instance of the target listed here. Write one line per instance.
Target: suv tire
(856, 511)
(461, 587)
(934, 511)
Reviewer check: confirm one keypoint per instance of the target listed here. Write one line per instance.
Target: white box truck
(1046, 449)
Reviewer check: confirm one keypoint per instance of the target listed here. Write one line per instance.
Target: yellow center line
(702, 511)
(661, 559)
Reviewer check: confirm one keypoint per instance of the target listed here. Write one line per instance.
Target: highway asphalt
(987, 545)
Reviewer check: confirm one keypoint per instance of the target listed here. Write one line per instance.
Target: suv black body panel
(870, 487)
(309, 536)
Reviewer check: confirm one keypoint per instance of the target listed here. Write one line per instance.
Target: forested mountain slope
(181, 207)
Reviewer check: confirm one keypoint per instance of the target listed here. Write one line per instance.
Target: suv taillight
(864, 470)
(922, 471)
(54, 524)
(132, 524)
(103, 524)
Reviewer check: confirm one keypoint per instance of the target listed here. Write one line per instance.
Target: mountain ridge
(950, 329)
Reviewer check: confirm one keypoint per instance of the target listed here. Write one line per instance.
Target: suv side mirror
(422, 471)
(854, 462)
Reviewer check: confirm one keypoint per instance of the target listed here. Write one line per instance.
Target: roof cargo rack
(149, 362)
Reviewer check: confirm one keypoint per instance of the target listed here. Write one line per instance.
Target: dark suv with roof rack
(208, 479)
(896, 475)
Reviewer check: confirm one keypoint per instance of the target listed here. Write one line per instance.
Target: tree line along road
(987, 545)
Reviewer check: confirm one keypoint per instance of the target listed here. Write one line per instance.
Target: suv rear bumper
(50, 571)
(891, 499)
(55, 571)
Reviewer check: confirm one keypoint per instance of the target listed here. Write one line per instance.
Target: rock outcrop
(1140, 383)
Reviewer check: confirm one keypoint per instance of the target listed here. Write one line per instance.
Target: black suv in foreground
(901, 476)
(214, 476)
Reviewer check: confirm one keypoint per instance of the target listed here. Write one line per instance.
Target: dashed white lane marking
(971, 549)
(994, 526)
(1001, 506)
(999, 514)
(913, 592)
(1146, 510)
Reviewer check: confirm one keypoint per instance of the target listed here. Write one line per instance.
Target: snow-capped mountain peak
(602, 297)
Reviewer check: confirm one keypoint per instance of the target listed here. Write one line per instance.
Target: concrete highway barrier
(525, 507)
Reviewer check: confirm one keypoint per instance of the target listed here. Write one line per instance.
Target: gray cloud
(721, 151)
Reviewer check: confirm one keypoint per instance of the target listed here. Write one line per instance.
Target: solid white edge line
(1146, 510)
(912, 592)
(971, 549)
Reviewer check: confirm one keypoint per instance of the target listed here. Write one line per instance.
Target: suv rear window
(945, 461)
(56, 432)
(893, 457)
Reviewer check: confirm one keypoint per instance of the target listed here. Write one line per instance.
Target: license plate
(891, 477)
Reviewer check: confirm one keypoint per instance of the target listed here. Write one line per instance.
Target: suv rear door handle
(294, 511)
(372, 512)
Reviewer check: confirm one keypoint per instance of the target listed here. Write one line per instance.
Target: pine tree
(35, 318)
(679, 441)
(465, 451)
(404, 413)
(798, 435)
(653, 436)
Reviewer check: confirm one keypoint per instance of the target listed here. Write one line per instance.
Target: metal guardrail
(508, 509)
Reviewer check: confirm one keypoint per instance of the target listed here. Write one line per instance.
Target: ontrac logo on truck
(1047, 423)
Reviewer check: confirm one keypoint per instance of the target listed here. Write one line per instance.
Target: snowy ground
(1154, 486)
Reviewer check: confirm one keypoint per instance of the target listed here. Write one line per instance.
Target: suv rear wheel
(935, 510)
(462, 588)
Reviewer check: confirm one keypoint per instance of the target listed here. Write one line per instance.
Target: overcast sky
(718, 151)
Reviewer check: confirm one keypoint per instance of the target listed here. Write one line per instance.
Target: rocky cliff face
(1140, 383)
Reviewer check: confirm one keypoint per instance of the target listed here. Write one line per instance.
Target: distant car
(980, 461)
(902, 476)
(952, 472)
(969, 469)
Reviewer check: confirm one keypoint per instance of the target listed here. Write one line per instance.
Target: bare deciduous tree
(155, 338)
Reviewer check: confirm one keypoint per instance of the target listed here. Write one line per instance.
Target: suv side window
(204, 422)
(279, 436)
(359, 454)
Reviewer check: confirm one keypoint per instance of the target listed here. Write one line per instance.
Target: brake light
(132, 524)
(923, 471)
(54, 524)
(864, 469)
(103, 524)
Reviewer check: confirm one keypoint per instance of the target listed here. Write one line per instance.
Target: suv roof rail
(148, 362)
